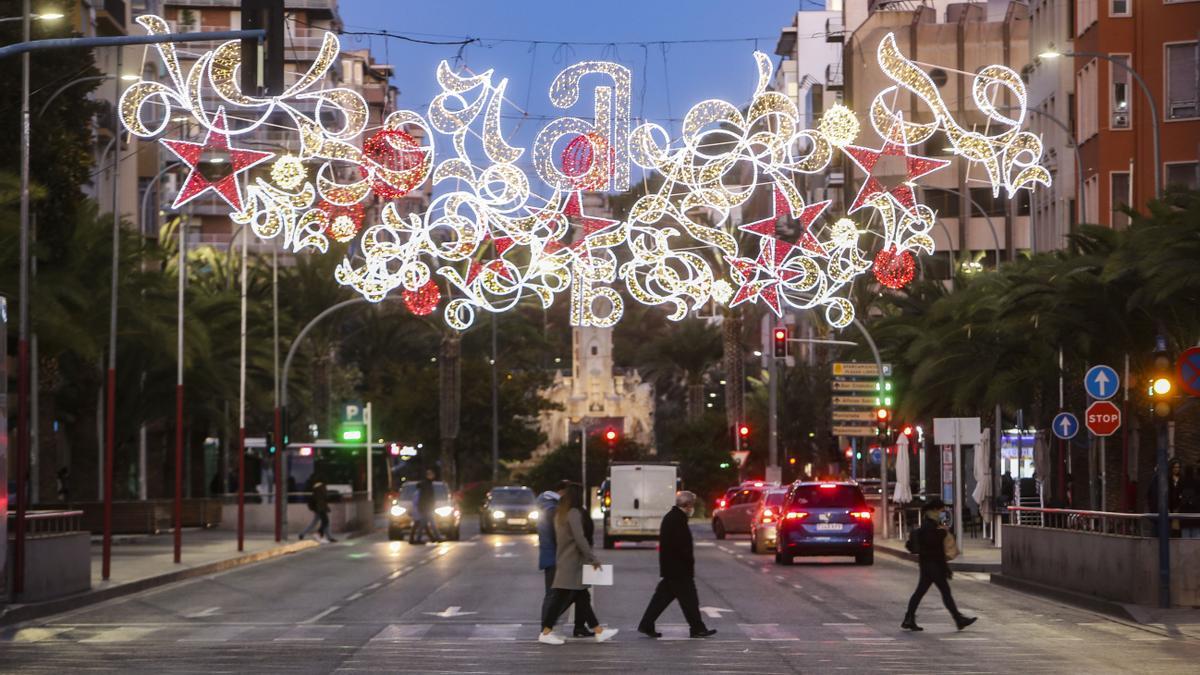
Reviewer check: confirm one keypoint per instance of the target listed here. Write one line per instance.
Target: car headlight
(534, 515)
(398, 510)
(498, 514)
(443, 511)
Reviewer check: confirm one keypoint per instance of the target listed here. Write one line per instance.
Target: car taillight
(827, 486)
(768, 515)
(796, 515)
(720, 503)
(861, 515)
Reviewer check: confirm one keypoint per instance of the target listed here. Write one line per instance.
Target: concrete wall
(55, 565)
(343, 517)
(1118, 568)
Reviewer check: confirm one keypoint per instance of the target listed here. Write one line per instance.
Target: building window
(1091, 197)
(1118, 100)
(1183, 175)
(1086, 97)
(1118, 197)
(1120, 7)
(1182, 77)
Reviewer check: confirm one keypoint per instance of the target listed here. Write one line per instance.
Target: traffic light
(743, 431)
(1161, 389)
(792, 461)
(907, 430)
(779, 336)
(883, 419)
(270, 443)
(610, 435)
(262, 63)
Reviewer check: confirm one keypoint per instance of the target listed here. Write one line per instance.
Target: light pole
(1053, 53)
(110, 413)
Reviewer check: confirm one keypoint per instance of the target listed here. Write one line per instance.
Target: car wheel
(867, 558)
(395, 533)
(783, 559)
(609, 542)
(718, 528)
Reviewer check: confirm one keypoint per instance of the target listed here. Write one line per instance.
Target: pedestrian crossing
(370, 634)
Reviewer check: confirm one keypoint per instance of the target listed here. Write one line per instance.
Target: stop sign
(1103, 418)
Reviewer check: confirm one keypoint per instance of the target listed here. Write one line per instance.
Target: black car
(827, 518)
(509, 509)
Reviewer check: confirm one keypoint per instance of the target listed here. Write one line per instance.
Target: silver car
(764, 526)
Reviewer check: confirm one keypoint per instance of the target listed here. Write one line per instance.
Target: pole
(23, 326)
(110, 411)
(179, 356)
(496, 407)
(1103, 473)
(280, 462)
(1164, 527)
(241, 509)
(879, 366)
(89, 42)
(583, 460)
(958, 523)
(772, 421)
(370, 459)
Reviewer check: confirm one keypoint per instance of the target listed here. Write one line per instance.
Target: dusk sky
(691, 71)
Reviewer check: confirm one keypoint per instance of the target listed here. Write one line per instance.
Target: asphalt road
(472, 607)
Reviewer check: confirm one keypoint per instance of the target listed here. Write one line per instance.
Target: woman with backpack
(931, 542)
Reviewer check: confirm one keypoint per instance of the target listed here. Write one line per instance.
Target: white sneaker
(606, 634)
(551, 639)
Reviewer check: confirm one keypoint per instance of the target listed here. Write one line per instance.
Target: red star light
(214, 149)
(767, 226)
(868, 160)
(572, 214)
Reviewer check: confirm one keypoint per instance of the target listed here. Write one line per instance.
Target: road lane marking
(450, 612)
(714, 612)
(767, 632)
(399, 632)
(797, 586)
(354, 596)
(816, 597)
(119, 634)
(495, 631)
(204, 612)
(215, 634)
(396, 574)
(322, 615)
(850, 616)
(373, 586)
(308, 633)
(705, 543)
(37, 634)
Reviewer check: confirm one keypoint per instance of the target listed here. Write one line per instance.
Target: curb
(20, 613)
(1081, 600)
(955, 565)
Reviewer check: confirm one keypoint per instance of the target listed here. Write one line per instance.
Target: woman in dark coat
(928, 542)
(573, 551)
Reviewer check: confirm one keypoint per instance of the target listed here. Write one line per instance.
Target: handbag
(950, 547)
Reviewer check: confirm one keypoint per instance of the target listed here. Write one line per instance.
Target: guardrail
(43, 523)
(1100, 522)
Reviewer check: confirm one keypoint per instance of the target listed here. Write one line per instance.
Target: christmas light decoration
(497, 233)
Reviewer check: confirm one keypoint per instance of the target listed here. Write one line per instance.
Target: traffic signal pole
(773, 469)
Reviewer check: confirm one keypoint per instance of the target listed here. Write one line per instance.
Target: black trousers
(681, 589)
(562, 599)
(548, 600)
(931, 577)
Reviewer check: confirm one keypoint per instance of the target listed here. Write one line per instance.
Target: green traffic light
(724, 465)
(352, 435)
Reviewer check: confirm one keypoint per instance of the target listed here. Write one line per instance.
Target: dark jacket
(318, 501)
(425, 497)
(929, 540)
(547, 504)
(676, 559)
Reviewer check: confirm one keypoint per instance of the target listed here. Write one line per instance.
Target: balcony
(834, 30)
(833, 77)
(110, 18)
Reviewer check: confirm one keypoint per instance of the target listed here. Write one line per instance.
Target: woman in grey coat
(573, 552)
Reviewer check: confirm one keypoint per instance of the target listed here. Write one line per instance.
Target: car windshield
(827, 496)
(513, 496)
(408, 493)
(775, 498)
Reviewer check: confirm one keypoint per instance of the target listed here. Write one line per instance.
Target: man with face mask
(677, 565)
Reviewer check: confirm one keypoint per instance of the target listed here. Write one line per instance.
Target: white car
(636, 498)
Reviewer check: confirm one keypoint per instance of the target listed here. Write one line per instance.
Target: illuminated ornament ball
(288, 172)
(396, 151)
(839, 125)
(424, 300)
(894, 269)
(344, 221)
(584, 159)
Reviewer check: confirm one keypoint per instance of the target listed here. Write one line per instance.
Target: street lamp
(1052, 53)
(48, 16)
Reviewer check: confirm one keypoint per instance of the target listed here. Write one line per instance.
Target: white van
(636, 497)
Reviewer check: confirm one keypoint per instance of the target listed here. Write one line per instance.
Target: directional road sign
(1103, 418)
(1101, 382)
(1189, 371)
(851, 369)
(851, 430)
(1065, 425)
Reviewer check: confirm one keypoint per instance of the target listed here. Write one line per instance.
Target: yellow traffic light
(1161, 386)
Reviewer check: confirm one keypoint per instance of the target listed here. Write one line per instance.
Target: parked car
(445, 512)
(764, 524)
(739, 509)
(827, 518)
(510, 508)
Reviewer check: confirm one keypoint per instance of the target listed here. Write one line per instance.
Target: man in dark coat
(929, 543)
(677, 566)
(425, 522)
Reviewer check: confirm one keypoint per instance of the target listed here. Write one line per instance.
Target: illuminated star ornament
(215, 150)
(884, 166)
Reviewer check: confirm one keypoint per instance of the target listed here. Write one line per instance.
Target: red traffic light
(610, 435)
(908, 430)
(849, 453)
(780, 334)
(881, 413)
(743, 430)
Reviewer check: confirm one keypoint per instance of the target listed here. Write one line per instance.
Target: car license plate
(517, 521)
(823, 527)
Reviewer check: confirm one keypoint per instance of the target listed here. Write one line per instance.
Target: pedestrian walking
(318, 503)
(424, 504)
(677, 567)
(572, 553)
(64, 485)
(548, 550)
(929, 543)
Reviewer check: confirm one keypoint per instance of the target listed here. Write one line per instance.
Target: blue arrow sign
(1101, 382)
(1065, 425)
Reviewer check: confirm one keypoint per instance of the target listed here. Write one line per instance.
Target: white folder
(598, 577)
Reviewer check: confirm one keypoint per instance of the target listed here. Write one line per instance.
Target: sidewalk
(146, 561)
(978, 555)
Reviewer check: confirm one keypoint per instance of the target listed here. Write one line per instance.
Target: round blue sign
(1101, 382)
(1065, 425)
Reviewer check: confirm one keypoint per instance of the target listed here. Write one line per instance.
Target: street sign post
(1189, 370)
(1101, 382)
(857, 393)
(1065, 425)
(1103, 418)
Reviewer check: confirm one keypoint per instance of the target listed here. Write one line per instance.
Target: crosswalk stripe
(496, 631)
(215, 634)
(119, 634)
(307, 633)
(36, 634)
(766, 632)
(674, 631)
(411, 631)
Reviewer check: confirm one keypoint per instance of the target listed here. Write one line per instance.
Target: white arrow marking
(714, 612)
(1101, 381)
(450, 613)
(506, 555)
(1065, 425)
(204, 612)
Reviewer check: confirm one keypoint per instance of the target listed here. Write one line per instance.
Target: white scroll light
(496, 235)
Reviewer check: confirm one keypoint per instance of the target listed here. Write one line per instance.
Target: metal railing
(1099, 522)
(43, 523)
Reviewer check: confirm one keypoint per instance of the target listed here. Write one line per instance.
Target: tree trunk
(449, 401)
(695, 398)
(734, 366)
